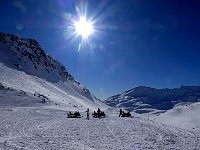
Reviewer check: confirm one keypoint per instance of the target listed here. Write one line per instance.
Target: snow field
(45, 128)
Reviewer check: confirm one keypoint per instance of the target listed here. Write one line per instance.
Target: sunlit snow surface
(64, 94)
(185, 116)
(34, 104)
(48, 128)
(26, 123)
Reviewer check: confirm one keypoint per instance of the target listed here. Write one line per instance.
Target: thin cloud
(19, 4)
(19, 26)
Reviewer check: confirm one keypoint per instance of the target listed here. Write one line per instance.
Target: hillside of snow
(146, 99)
(25, 66)
(185, 116)
(28, 121)
(37, 92)
(18, 98)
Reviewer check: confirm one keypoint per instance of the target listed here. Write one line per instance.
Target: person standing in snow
(88, 115)
(98, 112)
(120, 112)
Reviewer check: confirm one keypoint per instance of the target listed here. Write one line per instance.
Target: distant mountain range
(146, 99)
(25, 66)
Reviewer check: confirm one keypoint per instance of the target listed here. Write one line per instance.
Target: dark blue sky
(137, 42)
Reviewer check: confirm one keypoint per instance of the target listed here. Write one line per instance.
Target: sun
(83, 27)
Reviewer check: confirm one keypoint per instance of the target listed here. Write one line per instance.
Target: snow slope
(31, 124)
(185, 116)
(146, 99)
(36, 93)
(44, 128)
(25, 66)
(13, 98)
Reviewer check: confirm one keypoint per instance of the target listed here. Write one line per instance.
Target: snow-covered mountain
(146, 99)
(24, 66)
(36, 93)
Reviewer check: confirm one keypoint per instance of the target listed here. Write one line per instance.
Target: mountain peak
(26, 55)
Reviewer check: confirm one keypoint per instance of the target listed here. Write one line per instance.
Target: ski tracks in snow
(44, 128)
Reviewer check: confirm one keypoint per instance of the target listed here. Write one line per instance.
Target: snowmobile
(74, 115)
(128, 114)
(101, 115)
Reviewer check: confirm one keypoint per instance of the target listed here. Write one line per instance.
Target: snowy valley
(37, 92)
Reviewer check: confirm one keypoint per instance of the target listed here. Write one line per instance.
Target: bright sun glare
(84, 27)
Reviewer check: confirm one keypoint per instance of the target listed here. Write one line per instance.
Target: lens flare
(83, 27)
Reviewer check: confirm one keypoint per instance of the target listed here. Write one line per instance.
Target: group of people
(97, 114)
(100, 113)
